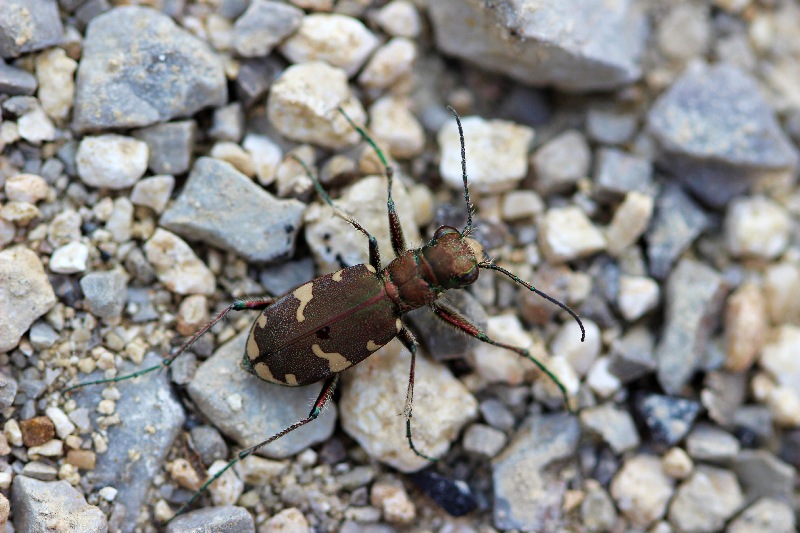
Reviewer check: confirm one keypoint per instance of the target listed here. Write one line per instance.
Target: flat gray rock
(41, 506)
(28, 25)
(222, 519)
(222, 207)
(139, 68)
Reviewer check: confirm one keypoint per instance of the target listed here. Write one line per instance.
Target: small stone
(42, 336)
(303, 105)
(745, 326)
(235, 155)
(210, 445)
(561, 162)
(259, 471)
(642, 490)
(495, 364)
(36, 431)
(395, 127)
(63, 426)
(223, 518)
(600, 379)
(483, 441)
(38, 505)
(264, 25)
(567, 234)
(390, 63)
(120, 223)
(28, 188)
(614, 425)
(765, 514)
(548, 392)
(706, 500)
(16, 81)
(484, 140)
(782, 292)
(610, 127)
(64, 228)
(106, 292)
(756, 227)
(520, 205)
(266, 156)
(399, 18)
(710, 443)
(227, 489)
(677, 464)
(13, 432)
(637, 296)
(55, 74)
(19, 213)
(35, 126)
(287, 520)
(83, 459)
(763, 475)
(684, 32)
(39, 470)
(70, 258)
(25, 294)
(176, 265)
(779, 356)
(630, 221)
(668, 418)
(51, 448)
(228, 123)
(153, 192)
(580, 353)
(171, 146)
(111, 161)
(618, 173)
(392, 499)
(597, 510)
(340, 41)
(182, 473)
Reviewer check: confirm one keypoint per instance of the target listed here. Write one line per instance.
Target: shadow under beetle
(335, 321)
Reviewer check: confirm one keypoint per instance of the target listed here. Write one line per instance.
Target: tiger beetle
(325, 326)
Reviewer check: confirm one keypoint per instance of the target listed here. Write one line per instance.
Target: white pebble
(176, 265)
(637, 295)
(757, 227)
(499, 365)
(399, 18)
(630, 220)
(602, 382)
(35, 126)
(522, 204)
(153, 192)
(70, 258)
(567, 234)
(548, 392)
(51, 448)
(395, 127)
(227, 488)
(55, 73)
(266, 156)
(567, 343)
(111, 161)
(391, 62)
(28, 188)
(64, 427)
(108, 493)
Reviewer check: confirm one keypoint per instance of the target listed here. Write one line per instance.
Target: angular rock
(171, 145)
(705, 501)
(29, 25)
(668, 418)
(223, 518)
(39, 505)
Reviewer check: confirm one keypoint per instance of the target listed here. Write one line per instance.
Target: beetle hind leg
(407, 338)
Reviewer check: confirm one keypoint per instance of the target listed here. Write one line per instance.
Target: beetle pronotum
(317, 339)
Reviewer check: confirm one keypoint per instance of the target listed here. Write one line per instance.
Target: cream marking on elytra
(398, 324)
(262, 371)
(336, 361)
(371, 346)
(252, 347)
(337, 276)
(304, 294)
(371, 268)
(261, 321)
(291, 379)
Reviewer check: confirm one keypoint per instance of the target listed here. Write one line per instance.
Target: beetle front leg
(458, 321)
(408, 340)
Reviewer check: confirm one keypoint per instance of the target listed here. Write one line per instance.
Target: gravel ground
(637, 160)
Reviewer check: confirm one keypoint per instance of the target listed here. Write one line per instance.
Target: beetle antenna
(565, 307)
(468, 227)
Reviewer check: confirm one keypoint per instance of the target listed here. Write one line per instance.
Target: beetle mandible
(298, 337)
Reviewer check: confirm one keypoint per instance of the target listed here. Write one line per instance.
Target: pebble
(12, 430)
(83, 459)
(341, 41)
(303, 106)
(263, 409)
(484, 441)
(495, 364)
(389, 64)
(27, 294)
(756, 227)
(16, 81)
(717, 134)
(106, 292)
(528, 490)
(51, 448)
(70, 258)
(567, 343)
(745, 326)
(20, 213)
(114, 85)
(38, 505)
(171, 146)
(705, 501)
(763, 475)
(264, 25)
(29, 26)
(684, 32)
(111, 161)
(394, 127)
(63, 426)
(393, 501)
(120, 223)
(560, 162)
(64, 228)
(630, 221)
(153, 192)
(545, 389)
(39, 470)
(455, 496)
(374, 392)
(55, 73)
(637, 296)
(779, 356)
(290, 519)
(484, 140)
(42, 335)
(710, 443)
(566, 233)
(782, 291)
(176, 265)
(28, 188)
(35, 126)
(266, 156)
(668, 418)
(37, 431)
(642, 490)
(693, 299)
(766, 514)
(224, 208)
(609, 126)
(597, 510)
(521, 205)
(399, 18)
(677, 464)
(618, 173)
(227, 123)
(539, 46)
(615, 426)
(600, 379)
(234, 154)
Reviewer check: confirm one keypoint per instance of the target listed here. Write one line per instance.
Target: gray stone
(39, 471)
(497, 414)
(561, 162)
(39, 506)
(597, 511)
(42, 335)
(171, 146)
(763, 475)
(764, 515)
(151, 418)
(693, 302)
(717, 133)
(8, 391)
(225, 518)
(577, 46)
(441, 340)
(676, 224)
(209, 444)
(25, 294)
(119, 71)
(610, 127)
(263, 26)
(90, 9)
(283, 277)
(224, 208)
(705, 501)
(15, 81)
(483, 440)
(632, 355)
(255, 77)
(613, 425)
(710, 443)
(249, 410)
(616, 173)
(228, 123)
(668, 418)
(29, 25)
(528, 491)
(723, 395)
(105, 292)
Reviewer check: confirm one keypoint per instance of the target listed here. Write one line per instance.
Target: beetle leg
(324, 397)
(407, 338)
(459, 321)
(238, 305)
